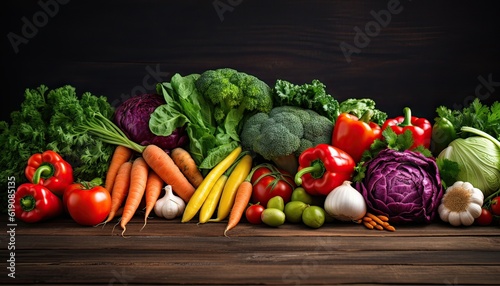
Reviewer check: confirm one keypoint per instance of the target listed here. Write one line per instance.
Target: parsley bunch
(47, 120)
(477, 115)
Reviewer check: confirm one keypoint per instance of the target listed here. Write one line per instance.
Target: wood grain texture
(171, 253)
(425, 55)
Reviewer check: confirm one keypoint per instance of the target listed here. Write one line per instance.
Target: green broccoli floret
(228, 89)
(284, 133)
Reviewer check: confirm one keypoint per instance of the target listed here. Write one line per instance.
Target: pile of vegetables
(224, 146)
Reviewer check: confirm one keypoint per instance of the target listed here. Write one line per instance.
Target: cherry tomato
(253, 213)
(87, 204)
(485, 218)
(495, 205)
(268, 181)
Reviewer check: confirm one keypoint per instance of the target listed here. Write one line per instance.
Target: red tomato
(495, 205)
(253, 213)
(268, 182)
(87, 205)
(485, 218)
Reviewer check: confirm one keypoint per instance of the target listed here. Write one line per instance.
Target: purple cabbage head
(132, 116)
(402, 185)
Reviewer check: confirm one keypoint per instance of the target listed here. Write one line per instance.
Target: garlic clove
(467, 186)
(444, 212)
(474, 210)
(158, 207)
(466, 218)
(454, 218)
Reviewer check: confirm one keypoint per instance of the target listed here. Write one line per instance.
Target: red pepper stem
(367, 116)
(27, 203)
(407, 115)
(317, 169)
(43, 171)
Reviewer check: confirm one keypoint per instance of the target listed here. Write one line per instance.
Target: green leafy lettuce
(209, 142)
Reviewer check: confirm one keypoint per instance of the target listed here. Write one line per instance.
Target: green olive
(314, 216)
(299, 194)
(276, 202)
(294, 210)
(273, 217)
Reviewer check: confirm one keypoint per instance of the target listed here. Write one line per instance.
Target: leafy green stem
(108, 132)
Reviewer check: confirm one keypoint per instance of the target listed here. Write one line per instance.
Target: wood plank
(216, 255)
(156, 226)
(169, 252)
(302, 274)
(236, 244)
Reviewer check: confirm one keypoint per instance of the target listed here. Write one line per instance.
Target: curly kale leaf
(308, 96)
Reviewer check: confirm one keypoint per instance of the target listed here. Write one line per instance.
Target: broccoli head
(286, 131)
(228, 89)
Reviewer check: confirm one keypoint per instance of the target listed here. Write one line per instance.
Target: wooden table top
(170, 252)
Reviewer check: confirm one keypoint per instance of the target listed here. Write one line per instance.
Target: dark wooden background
(430, 53)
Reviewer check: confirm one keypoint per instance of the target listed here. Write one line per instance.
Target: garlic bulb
(461, 204)
(345, 203)
(169, 206)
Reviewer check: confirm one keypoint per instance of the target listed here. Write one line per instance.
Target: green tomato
(299, 194)
(314, 216)
(273, 217)
(294, 210)
(276, 202)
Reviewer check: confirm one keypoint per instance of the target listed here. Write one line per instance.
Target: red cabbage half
(132, 116)
(404, 186)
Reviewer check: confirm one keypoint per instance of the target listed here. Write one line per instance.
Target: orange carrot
(187, 165)
(164, 166)
(120, 155)
(120, 189)
(153, 190)
(241, 201)
(138, 182)
(368, 225)
(375, 218)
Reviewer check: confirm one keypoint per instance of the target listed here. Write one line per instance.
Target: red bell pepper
(354, 135)
(323, 168)
(35, 202)
(50, 170)
(420, 128)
